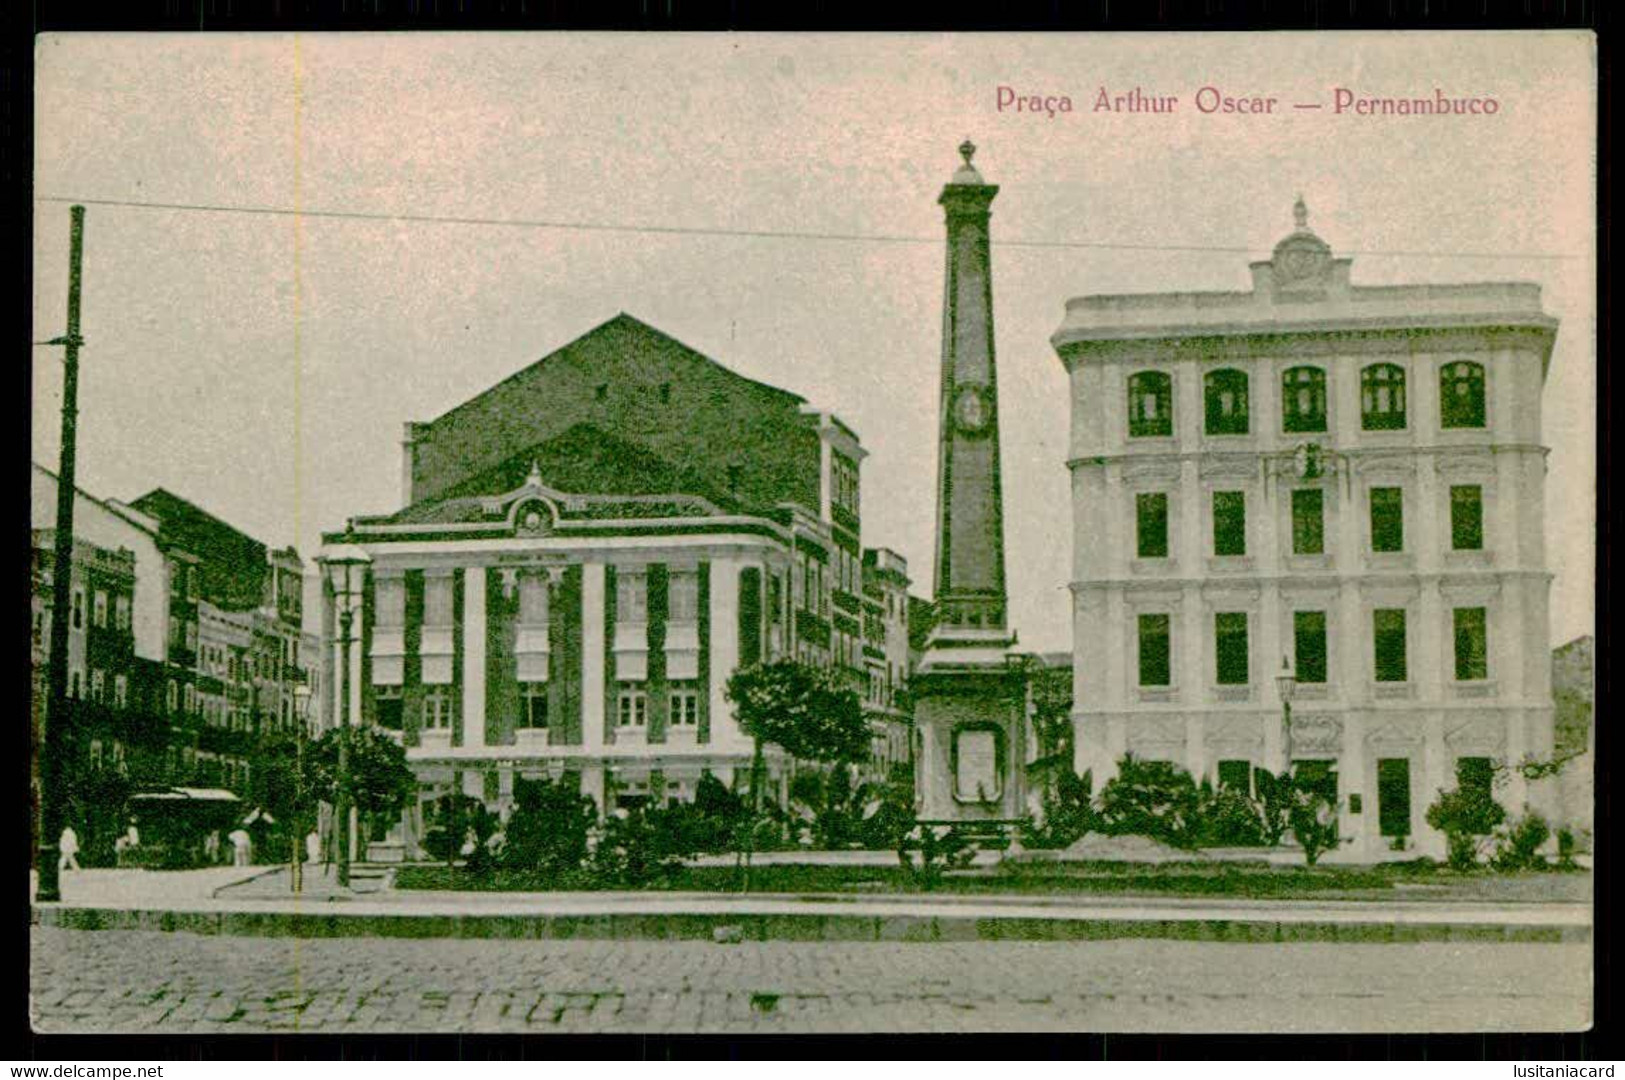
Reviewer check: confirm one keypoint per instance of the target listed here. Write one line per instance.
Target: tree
(289, 780)
(381, 784)
(1465, 814)
(802, 710)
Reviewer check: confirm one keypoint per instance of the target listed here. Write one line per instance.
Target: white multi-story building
(585, 554)
(1347, 481)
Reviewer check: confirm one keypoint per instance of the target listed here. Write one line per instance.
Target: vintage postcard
(734, 533)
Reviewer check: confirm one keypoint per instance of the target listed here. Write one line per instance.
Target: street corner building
(185, 651)
(1320, 492)
(585, 553)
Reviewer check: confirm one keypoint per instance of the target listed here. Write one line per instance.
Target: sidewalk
(260, 904)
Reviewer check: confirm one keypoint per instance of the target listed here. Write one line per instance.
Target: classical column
(592, 662)
(723, 652)
(474, 633)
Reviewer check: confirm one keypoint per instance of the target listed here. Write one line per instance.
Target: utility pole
(60, 734)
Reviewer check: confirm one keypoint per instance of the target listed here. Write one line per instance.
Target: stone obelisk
(969, 693)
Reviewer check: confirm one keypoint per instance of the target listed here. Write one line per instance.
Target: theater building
(1345, 481)
(585, 553)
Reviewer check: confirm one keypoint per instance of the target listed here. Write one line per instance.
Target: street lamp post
(1286, 682)
(344, 565)
(301, 697)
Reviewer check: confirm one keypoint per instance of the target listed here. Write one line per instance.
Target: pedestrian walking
(68, 844)
(240, 843)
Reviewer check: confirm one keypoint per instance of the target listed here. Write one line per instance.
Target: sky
(263, 365)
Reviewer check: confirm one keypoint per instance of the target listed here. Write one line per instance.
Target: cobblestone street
(138, 981)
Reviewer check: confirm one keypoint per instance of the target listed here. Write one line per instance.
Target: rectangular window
(437, 600)
(1309, 645)
(1151, 524)
(1388, 639)
(1155, 669)
(533, 599)
(122, 613)
(436, 708)
(1394, 796)
(1475, 775)
(98, 685)
(1229, 523)
(98, 609)
(1387, 519)
(387, 707)
(1308, 522)
(632, 706)
(389, 602)
(631, 598)
(121, 691)
(1230, 641)
(1472, 660)
(685, 708)
(1466, 517)
(78, 609)
(683, 592)
(1236, 775)
(533, 705)
(191, 635)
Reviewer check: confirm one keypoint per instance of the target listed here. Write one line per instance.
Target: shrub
(1518, 848)
(1464, 816)
(1313, 819)
(1275, 799)
(1151, 798)
(884, 829)
(1068, 813)
(638, 847)
(929, 851)
(548, 829)
(1565, 848)
(1228, 817)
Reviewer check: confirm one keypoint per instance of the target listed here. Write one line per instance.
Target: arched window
(1226, 399)
(1461, 395)
(1382, 397)
(1303, 399)
(1150, 404)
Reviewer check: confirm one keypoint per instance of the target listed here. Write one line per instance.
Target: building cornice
(1329, 580)
(1355, 450)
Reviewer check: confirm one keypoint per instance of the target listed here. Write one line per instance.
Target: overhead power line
(760, 234)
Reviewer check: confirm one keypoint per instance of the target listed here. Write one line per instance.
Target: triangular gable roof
(741, 435)
(582, 461)
(629, 324)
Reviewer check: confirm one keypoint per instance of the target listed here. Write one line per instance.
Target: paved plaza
(148, 981)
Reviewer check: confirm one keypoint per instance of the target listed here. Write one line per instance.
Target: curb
(787, 927)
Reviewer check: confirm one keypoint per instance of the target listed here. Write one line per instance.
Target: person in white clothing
(69, 847)
(240, 847)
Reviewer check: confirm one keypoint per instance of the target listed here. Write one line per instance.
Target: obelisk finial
(967, 150)
(1300, 213)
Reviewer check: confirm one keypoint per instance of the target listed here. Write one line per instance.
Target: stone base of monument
(970, 769)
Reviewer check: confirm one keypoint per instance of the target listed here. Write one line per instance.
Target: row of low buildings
(185, 648)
